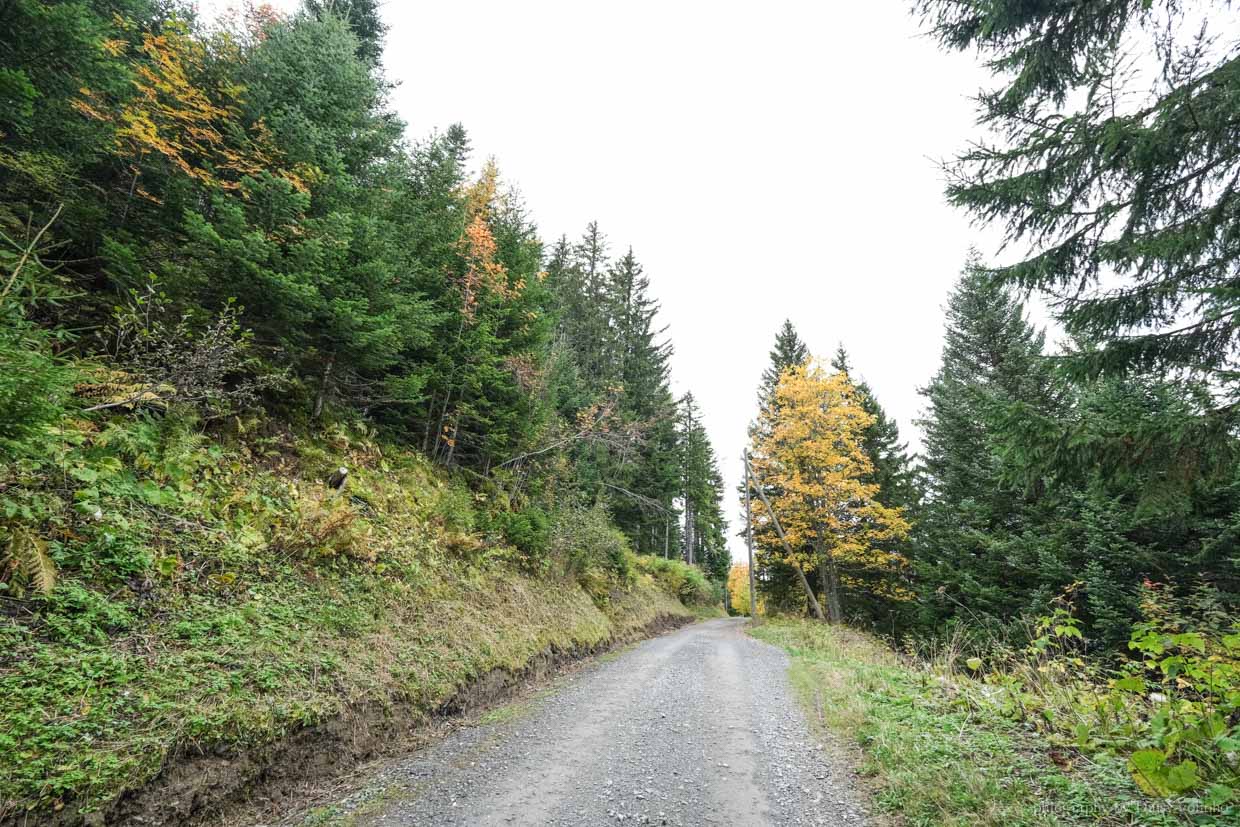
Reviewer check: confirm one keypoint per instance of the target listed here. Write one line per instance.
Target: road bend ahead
(698, 727)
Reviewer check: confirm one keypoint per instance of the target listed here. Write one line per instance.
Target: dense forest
(221, 217)
(275, 374)
(300, 418)
(1105, 467)
(1072, 510)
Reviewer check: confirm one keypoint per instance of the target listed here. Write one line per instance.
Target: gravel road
(697, 727)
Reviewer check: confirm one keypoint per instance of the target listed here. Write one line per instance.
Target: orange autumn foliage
(181, 114)
(808, 449)
(482, 272)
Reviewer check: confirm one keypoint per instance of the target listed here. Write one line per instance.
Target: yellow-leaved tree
(738, 589)
(808, 452)
(185, 114)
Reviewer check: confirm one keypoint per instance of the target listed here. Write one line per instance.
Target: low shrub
(527, 530)
(33, 384)
(325, 526)
(585, 538)
(1171, 711)
(685, 582)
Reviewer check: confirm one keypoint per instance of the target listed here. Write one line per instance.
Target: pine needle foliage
(1115, 155)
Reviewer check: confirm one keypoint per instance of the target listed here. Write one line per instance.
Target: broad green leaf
(1182, 776)
(151, 492)
(87, 475)
(1149, 771)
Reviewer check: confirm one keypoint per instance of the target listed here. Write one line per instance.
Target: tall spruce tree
(701, 495)
(607, 324)
(1022, 505)
(638, 363)
(364, 20)
(892, 471)
(639, 358)
(1120, 174)
(991, 356)
(586, 322)
(789, 351)
(1114, 159)
(893, 467)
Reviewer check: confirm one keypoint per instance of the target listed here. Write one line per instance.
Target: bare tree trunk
(440, 425)
(447, 399)
(689, 532)
(779, 529)
(327, 375)
(753, 592)
(133, 185)
(835, 606)
(829, 580)
(426, 433)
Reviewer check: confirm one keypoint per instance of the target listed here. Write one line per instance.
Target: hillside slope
(219, 609)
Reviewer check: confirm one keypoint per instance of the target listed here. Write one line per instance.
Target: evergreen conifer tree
(1112, 168)
(892, 472)
(992, 356)
(702, 495)
(364, 20)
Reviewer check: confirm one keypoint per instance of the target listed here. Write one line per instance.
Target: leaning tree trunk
(779, 530)
(824, 586)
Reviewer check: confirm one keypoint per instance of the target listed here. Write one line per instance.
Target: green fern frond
(30, 554)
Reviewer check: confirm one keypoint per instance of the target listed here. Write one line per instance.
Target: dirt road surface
(698, 727)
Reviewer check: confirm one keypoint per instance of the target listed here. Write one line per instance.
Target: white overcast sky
(765, 161)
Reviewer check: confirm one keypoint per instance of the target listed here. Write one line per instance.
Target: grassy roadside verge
(214, 605)
(934, 761)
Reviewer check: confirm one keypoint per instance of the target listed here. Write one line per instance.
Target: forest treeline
(1102, 470)
(1063, 551)
(221, 216)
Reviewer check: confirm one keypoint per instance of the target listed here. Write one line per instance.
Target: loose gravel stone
(698, 727)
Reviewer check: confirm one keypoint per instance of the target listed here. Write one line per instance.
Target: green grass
(223, 600)
(934, 761)
(88, 719)
(708, 612)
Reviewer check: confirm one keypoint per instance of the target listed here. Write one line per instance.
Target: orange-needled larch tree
(809, 448)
